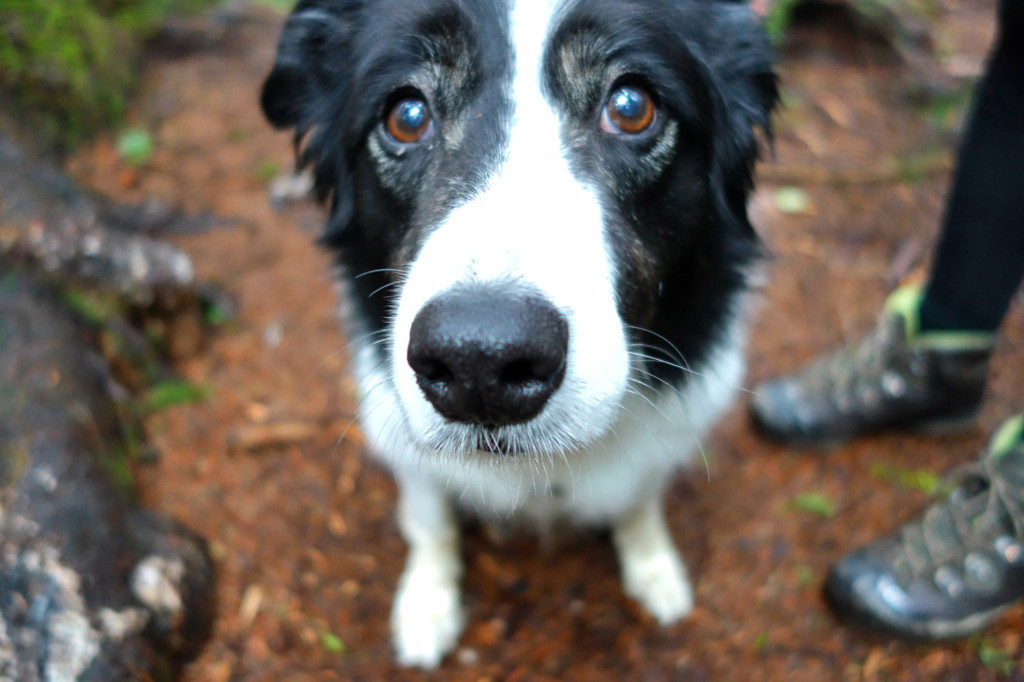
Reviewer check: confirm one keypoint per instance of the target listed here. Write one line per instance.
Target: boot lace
(843, 376)
(981, 507)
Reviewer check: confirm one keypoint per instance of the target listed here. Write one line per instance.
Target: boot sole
(939, 426)
(850, 611)
(947, 426)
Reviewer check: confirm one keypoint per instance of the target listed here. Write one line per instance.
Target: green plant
(780, 13)
(282, 6)
(135, 146)
(70, 63)
(815, 503)
(170, 393)
(998, 660)
(332, 643)
(927, 482)
(778, 19)
(267, 170)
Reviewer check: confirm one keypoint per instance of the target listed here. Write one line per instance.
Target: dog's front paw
(426, 619)
(660, 583)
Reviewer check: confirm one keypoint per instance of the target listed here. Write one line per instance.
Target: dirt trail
(303, 532)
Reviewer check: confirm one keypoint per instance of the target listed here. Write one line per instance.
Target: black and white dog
(539, 209)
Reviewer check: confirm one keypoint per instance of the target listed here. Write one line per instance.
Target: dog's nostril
(488, 357)
(520, 373)
(434, 371)
(529, 376)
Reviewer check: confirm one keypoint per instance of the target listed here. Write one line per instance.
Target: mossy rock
(92, 587)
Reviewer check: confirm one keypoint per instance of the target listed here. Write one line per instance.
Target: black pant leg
(980, 260)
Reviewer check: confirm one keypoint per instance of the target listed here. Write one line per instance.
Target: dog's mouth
(490, 441)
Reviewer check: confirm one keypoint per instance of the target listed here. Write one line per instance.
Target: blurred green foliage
(135, 146)
(68, 65)
(922, 480)
(816, 503)
(778, 19)
(877, 12)
(282, 6)
(170, 393)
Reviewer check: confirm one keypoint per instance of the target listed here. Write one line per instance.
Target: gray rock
(49, 221)
(91, 586)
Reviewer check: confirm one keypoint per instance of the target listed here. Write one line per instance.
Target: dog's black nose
(489, 358)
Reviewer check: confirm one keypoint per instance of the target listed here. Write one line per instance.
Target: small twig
(253, 437)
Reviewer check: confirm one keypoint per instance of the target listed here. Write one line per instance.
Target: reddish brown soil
(303, 532)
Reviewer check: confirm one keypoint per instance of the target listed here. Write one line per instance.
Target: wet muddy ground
(301, 521)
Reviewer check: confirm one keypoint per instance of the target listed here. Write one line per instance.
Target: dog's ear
(307, 90)
(310, 56)
(740, 60)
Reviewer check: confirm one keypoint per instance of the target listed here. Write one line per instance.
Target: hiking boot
(896, 376)
(953, 569)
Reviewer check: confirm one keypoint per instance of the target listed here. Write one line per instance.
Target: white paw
(426, 619)
(659, 582)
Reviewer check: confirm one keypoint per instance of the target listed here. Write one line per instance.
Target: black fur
(677, 217)
(682, 232)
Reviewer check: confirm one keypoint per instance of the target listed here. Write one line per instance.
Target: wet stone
(92, 587)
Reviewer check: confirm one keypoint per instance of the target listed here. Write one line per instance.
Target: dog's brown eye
(409, 121)
(629, 110)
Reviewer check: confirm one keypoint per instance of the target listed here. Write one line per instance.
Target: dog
(539, 212)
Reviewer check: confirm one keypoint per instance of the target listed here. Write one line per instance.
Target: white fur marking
(426, 617)
(538, 226)
(652, 572)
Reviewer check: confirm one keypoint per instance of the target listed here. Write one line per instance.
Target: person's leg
(979, 263)
(925, 364)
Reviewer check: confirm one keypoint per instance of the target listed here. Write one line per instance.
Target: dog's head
(530, 195)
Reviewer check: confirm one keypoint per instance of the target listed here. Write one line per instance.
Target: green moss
(282, 6)
(70, 64)
(170, 393)
(780, 16)
(877, 12)
(97, 309)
